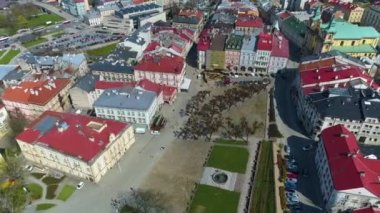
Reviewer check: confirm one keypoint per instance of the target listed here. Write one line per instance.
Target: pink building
(232, 51)
(32, 98)
(166, 69)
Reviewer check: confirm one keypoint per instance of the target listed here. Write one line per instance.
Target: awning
(185, 85)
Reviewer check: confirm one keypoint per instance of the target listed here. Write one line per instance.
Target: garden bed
(233, 159)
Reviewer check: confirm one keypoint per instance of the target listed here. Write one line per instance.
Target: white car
(80, 185)
(291, 180)
(29, 168)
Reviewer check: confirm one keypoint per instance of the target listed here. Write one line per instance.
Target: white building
(348, 179)
(247, 54)
(4, 121)
(139, 40)
(138, 10)
(127, 104)
(82, 93)
(93, 19)
(82, 146)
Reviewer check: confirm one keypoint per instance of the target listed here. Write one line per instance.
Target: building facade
(216, 54)
(348, 179)
(31, 98)
(132, 105)
(340, 35)
(81, 93)
(161, 69)
(371, 17)
(232, 51)
(77, 145)
(247, 54)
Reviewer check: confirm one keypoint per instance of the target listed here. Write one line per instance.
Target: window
(353, 43)
(341, 43)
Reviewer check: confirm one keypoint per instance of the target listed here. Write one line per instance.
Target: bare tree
(142, 201)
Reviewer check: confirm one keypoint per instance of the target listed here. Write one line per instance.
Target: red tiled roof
(157, 88)
(34, 92)
(367, 210)
(327, 74)
(280, 46)
(321, 63)
(284, 15)
(204, 40)
(152, 46)
(161, 63)
(194, 12)
(342, 5)
(77, 140)
(249, 21)
(264, 42)
(113, 84)
(346, 162)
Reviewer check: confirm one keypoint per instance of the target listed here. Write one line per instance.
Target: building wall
(232, 59)
(217, 60)
(129, 115)
(93, 170)
(371, 17)
(247, 59)
(292, 36)
(32, 111)
(169, 79)
(153, 19)
(277, 63)
(94, 21)
(4, 119)
(201, 59)
(262, 61)
(355, 15)
(114, 76)
(81, 99)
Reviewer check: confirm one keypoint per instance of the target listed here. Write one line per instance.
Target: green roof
(234, 42)
(296, 25)
(346, 31)
(366, 48)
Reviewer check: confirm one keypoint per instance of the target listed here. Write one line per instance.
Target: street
(290, 127)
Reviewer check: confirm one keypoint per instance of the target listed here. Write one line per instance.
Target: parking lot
(74, 41)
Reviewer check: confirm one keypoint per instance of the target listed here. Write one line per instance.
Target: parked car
(287, 149)
(80, 185)
(305, 173)
(307, 147)
(29, 168)
(292, 200)
(291, 194)
(292, 167)
(290, 186)
(291, 180)
(292, 175)
(290, 190)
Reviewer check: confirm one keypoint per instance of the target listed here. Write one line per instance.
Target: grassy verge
(35, 191)
(214, 200)
(232, 159)
(44, 206)
(51, 180)
(58, 35)
(9, 56)
(230, 142)
(102, 51)
(34, 42)
(2, 52)
(42, 19)
(66, 192)
(263, 199)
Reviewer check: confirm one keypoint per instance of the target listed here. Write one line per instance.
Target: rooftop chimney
(342, 135)
(362, 174)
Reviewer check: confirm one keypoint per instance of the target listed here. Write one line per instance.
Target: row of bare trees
(205, 119)
(139, 201)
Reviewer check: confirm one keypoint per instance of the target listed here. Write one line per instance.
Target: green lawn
(2, 52)
(230, 142)
(35, 191)
(232, 159)
(66, 192)
(263, 199)
(58, 34)
(34, 42)
(9, 56)
(44, 206)
(214, 200)
(102, 51)
(42, 19)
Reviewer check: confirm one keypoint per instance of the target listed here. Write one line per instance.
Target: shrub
(51, 180)
(50, 193)
(282, 197)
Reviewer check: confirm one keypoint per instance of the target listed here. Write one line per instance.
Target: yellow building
(340, 35)
(78, 145)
